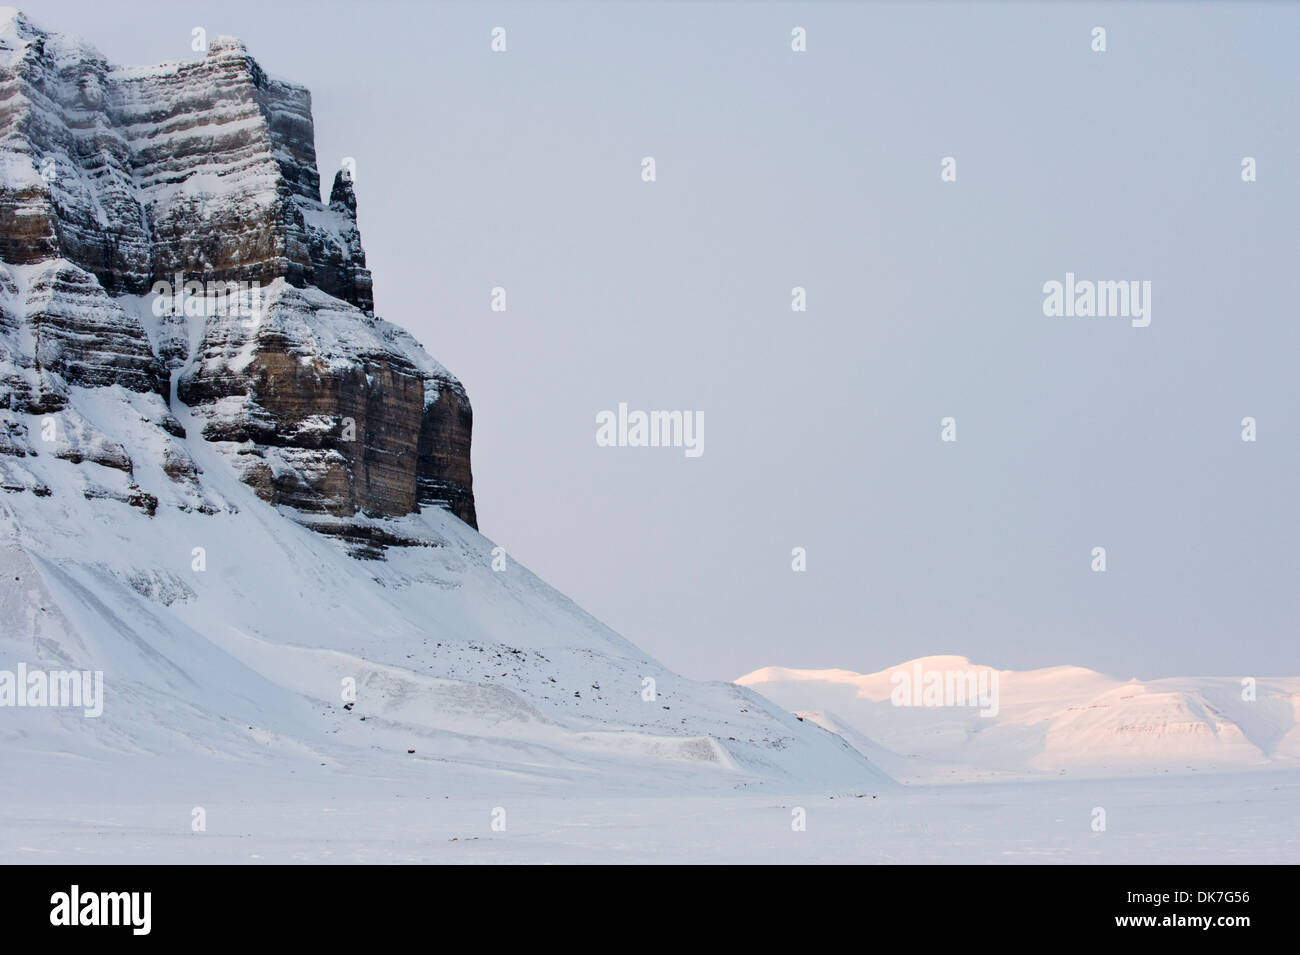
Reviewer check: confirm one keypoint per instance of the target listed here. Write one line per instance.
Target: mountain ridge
(1051, 720)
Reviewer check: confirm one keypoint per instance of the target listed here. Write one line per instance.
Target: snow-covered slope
(1057, 720)
(232, 633)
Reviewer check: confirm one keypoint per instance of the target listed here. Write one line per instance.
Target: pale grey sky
(821, 170)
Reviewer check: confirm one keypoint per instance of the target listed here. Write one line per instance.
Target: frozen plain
(432, 812)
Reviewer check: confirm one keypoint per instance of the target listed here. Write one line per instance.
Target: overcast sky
(821, 169)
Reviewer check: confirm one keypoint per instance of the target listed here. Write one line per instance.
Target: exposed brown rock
(116, 180)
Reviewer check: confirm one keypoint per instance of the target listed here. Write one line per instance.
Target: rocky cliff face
(153, 402)
(162, 233)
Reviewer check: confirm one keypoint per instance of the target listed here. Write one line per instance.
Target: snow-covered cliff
(251, 509)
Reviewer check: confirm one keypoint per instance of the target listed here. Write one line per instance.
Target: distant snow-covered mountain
(1057, 720)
